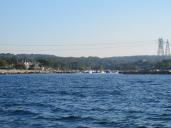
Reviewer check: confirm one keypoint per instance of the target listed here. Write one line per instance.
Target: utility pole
(167, 50)
(160, 51)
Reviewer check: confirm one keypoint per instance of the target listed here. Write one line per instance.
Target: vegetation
(86, 63)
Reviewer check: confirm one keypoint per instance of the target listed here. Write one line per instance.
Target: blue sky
(84, 27)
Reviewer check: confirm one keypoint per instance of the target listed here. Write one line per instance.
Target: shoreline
(16, 71)
(146, 72)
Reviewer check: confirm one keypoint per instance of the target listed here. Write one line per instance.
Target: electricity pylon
(160, 51)
(167, 50)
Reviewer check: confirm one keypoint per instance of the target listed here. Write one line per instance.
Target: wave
(71, 118)
(160, 117)
(20, 112)
(83, 127)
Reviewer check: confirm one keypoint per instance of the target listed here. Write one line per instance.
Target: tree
(3, 63)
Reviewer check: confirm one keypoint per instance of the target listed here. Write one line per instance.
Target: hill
(84, 63)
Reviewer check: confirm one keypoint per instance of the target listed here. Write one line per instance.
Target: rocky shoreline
(16, 71)
(13, 71)
(145, 72)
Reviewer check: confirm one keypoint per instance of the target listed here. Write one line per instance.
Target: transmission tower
(160, 51)
(167, 50)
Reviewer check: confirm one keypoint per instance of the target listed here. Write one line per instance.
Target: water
(85, 101)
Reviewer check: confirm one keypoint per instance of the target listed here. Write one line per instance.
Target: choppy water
(85, 101)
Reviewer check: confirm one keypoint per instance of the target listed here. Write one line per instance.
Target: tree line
(11, 61)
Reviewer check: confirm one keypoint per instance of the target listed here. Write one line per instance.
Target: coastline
(146, 72)
(17, 71)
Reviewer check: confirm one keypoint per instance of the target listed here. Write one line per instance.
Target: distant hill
(132, 59)
(84, 63)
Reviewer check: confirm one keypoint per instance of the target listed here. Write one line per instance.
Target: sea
(85, 101)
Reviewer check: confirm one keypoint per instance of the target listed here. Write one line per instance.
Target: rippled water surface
(85, 101)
